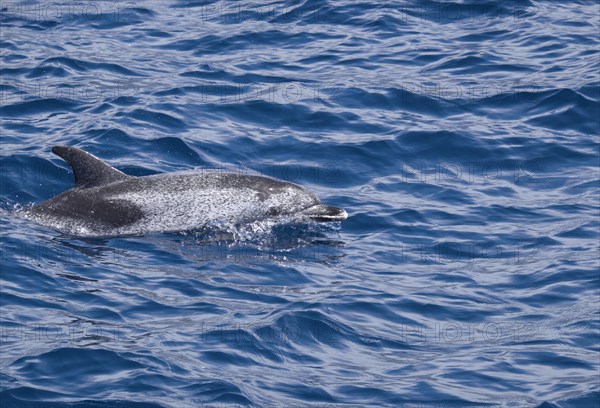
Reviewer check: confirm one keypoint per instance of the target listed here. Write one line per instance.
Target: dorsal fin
(89, 170)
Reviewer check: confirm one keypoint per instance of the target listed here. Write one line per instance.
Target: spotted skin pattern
(170, 202)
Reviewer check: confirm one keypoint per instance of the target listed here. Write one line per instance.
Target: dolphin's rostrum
(107, 202)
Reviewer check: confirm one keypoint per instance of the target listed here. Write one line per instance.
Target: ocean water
(460, 136)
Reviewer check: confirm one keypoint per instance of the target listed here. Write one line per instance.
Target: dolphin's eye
(273, 211)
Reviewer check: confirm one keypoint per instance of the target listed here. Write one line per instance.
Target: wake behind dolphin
(106, 202)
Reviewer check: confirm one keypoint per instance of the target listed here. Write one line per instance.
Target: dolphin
(105, 202)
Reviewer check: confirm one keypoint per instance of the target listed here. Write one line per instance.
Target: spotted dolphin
(106, 202)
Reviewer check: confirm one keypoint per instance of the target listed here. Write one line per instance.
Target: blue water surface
(461, 137)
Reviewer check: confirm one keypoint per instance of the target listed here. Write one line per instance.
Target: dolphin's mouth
(324, 213)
